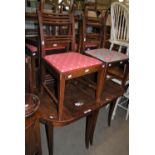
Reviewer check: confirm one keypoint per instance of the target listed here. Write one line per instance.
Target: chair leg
(49, 133)
(112, 105)
(127, 113)
(111, 46)
(120, 48)
(115, 108)
(127, 51)
(61, 91)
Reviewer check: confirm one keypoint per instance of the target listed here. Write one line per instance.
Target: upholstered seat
(31, 48)
(104, 55)
(70, 61)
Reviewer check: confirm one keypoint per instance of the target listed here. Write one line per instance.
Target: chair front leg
(61, 91)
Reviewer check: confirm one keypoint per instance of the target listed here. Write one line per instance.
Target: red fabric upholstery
(70, 61)
(31, 48)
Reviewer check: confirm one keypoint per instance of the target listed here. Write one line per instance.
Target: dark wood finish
(49, 132)
(91, 39)
(94, 120)
(48, 114)
(32, 138)
(32, 132)
(47, 42)
(32, 125)
(34, 64)
(52, 39)
(72, 113)
(115, 60)
(106, 30)
(88, 130)
(90, 127)
(31, 38)
(110, 60)
(28, 75)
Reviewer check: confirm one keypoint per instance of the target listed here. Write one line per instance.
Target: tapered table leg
(88, 130)
(94, 120)
(49, 133)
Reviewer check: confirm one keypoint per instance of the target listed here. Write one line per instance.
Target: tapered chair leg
(49, 133)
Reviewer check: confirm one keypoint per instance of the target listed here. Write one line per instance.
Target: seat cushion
(31, 48)
(70, 61)
(106, 55)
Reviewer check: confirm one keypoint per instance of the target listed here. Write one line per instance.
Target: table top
(107, 56)
(47, 111)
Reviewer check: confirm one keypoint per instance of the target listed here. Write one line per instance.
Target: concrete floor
(69, 140)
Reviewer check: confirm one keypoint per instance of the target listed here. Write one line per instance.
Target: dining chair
(119, 25)
(120, 37)
(91, 30)
(63, 66)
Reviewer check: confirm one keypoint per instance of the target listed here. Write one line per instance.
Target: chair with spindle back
(120, 36)
(119, 25)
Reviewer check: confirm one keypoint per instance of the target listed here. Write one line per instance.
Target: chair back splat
(120, 25)
(56, 32)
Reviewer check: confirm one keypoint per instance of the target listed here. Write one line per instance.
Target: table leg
(38, 138)
(88, 130)
(49, 133)
(94, 120)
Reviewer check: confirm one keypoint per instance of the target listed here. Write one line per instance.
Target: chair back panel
(56, 29)
(120, 22)
(91, 29)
